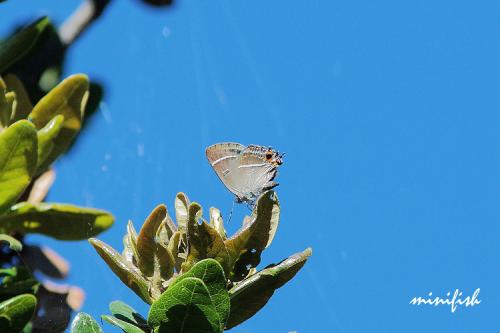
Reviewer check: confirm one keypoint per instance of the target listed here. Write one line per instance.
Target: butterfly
(246, 171)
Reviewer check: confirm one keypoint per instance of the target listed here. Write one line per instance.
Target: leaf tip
(94, 241)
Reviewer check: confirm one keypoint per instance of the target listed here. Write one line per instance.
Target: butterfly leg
(236, 200)
(251, 205)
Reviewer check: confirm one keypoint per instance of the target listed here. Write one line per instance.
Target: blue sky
(388, 112)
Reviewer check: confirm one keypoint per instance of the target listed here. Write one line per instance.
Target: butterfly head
(274, 157)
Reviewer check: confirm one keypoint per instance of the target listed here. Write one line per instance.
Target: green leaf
(11, 100)
(7, 104)
(163, 266)
(16, 46)
(84, 323)
(155, 261)
(127, 252)
(11, 271)
(128, 274)
(165, 230)
(217, 223)
(130, 244)
(18, 154)
(203, 241)
(17, 280)
(28, 328)
(256, 234)
(16, 312)
(47, 141)
(124, 325)
(125, 312)
(68, 98)
(185, 307)
(212, 274)
(251, 294)
(175, 247)
(14, 244)
(181, 210)
(60, 221)
(24, 105)
(146, 242)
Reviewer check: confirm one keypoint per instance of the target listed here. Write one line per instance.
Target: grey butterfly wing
(224, 159)
(255, 175)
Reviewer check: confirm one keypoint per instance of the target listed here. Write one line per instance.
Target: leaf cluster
(196, 278)
(28, 146)
(32, 137)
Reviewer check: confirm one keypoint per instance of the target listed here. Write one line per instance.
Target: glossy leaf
(14, 244)
(124, 325)
(203, 241)
(16, 46)
(212, 275)
(125, 312)
(128, 274)
(185, 307)
(47, 141)
(18, 155)
(60, 221)
(84, 323)
(68, 98)
(251, 294)
(24, 105)
(257, 233)
(126, 318)
(16, 312)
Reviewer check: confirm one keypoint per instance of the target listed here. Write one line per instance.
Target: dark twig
(82, 17)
